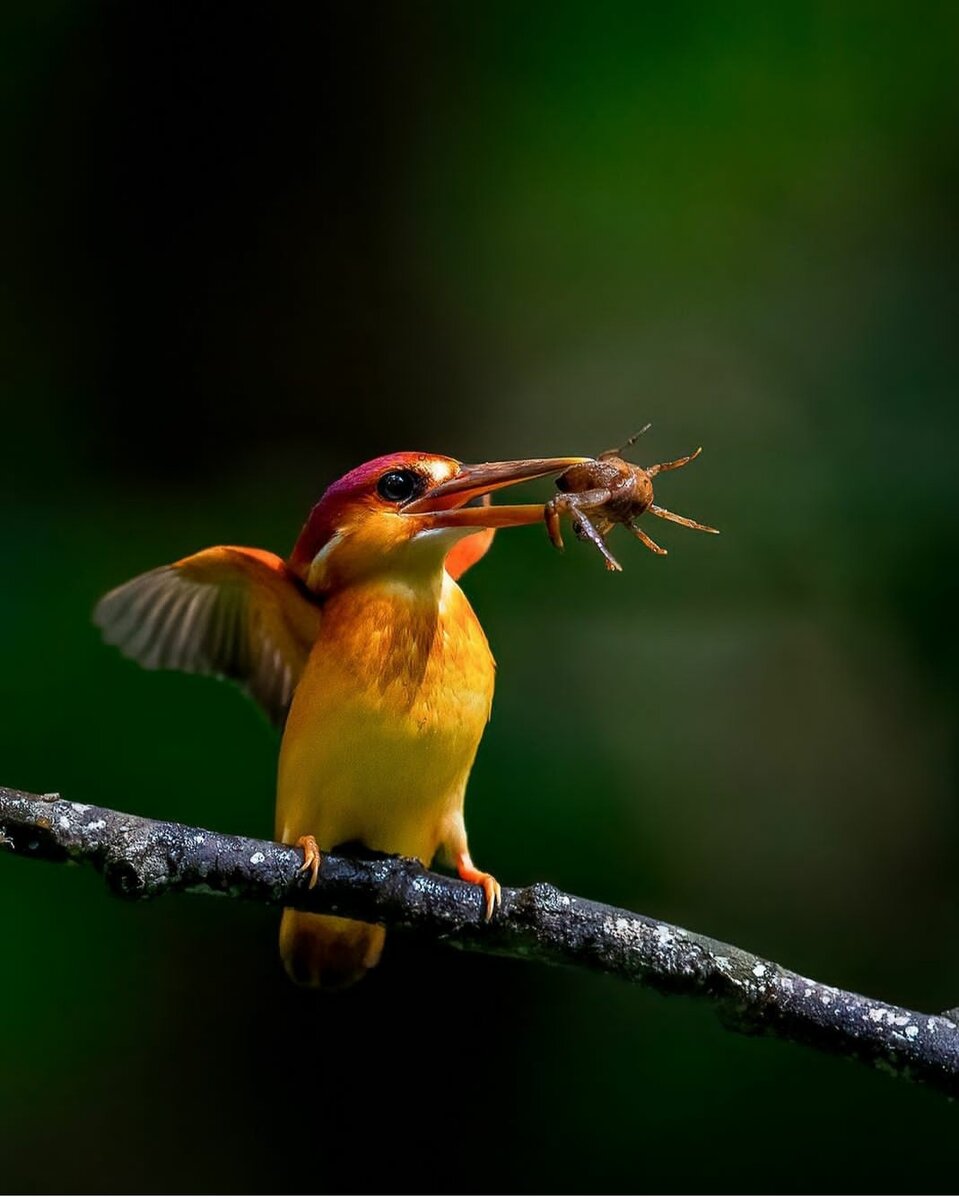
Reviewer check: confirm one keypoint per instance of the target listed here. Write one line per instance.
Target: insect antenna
(635, 438)
(626, 445)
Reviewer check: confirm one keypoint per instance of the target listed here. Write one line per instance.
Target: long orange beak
(441, 507)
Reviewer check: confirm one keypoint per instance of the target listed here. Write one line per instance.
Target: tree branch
(142, 859)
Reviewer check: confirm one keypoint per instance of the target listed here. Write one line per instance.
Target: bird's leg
(470, 874)
(311, 856)
(666, 515)
(645, 538)
(455, 850)
(672, 466)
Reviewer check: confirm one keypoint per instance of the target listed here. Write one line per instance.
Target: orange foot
(491, 889)
(311, 856)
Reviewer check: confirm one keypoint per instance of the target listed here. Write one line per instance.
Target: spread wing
(229, 611)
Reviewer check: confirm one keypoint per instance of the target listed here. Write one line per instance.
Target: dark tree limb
(142, 858)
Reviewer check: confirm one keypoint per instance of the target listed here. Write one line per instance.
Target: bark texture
(142, 859)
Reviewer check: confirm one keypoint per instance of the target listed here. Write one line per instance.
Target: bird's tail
(328, 952)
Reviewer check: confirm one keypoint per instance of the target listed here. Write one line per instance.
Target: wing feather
(228, 611)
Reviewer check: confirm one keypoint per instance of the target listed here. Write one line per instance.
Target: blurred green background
(251, 247)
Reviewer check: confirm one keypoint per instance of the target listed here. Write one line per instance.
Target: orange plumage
(365, 648)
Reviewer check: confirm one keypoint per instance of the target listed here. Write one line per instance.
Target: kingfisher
(364, 650)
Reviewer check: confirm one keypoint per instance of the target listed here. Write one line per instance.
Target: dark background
(250, 247)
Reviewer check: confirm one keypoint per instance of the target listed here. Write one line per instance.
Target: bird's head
(403, 513)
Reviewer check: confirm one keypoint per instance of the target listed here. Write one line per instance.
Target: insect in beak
(610, 491)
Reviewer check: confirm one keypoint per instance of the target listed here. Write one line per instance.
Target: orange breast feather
(384, 727)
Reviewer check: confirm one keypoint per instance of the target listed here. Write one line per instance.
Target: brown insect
(610, 491)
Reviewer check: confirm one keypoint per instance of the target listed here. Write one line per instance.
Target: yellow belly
(386, 720)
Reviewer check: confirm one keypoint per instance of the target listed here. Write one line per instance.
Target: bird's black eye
(400, 486)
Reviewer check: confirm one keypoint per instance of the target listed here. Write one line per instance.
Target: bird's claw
(491, 888)
(493, 893)
(311, 857)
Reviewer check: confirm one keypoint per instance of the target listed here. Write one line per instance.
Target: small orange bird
(364, 648)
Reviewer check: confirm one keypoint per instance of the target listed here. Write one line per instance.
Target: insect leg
(552, 512)
(645, 539)
(677, 462)
(586, 530)
(666, 515)
(571, 502)
(594, 498)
